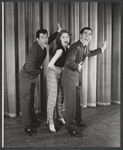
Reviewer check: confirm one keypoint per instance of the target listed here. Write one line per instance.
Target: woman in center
(55, 90)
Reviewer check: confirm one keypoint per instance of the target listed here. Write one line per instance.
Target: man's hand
(80, 66)
(104, 46)
(59, 70)
(59, 27)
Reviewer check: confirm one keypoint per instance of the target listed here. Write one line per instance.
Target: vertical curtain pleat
(6, 107)
(104, 62)
(21, 34)
(100, 75)
(108, 37)
(54, 17)
(72, 22)
(100, 58)
(29, 23)
(92, 62)
(116, 53)
(63, 6)
(10, 58)
(76, 19)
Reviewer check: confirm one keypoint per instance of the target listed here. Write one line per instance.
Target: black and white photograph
(61, 74)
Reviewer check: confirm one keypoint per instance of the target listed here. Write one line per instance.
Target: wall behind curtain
(101, 74)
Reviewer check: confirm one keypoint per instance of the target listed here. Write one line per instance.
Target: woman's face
(65, 39)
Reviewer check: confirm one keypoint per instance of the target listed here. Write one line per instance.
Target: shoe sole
(52, 132)
(75, 135)
(31, 135)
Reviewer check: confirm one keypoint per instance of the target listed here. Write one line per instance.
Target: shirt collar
(40, 45)
(82, 43)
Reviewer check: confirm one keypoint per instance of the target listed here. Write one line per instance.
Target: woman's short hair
(58, 41)
(44, 31)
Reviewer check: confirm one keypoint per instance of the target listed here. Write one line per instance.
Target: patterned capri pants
(55, 95)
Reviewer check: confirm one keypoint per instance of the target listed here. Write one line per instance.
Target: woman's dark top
(61, 60)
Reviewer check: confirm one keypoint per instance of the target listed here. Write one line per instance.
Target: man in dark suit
(71, 79)
(28, 76)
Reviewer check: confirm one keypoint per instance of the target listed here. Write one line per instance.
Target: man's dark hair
(58, 41)
(85, 28)
(44, 31)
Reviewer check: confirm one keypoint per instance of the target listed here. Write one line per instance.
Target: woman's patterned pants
(55, 95)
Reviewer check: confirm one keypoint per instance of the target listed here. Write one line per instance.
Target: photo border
(121, 103)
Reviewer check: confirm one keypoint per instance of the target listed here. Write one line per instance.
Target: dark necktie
(84, 49)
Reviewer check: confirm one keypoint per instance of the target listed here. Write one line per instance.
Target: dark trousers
(27, 102)
(72, 106)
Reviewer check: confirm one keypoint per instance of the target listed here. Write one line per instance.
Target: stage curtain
(116, 54)
(9, 49)
(104, 62)
(100, 75)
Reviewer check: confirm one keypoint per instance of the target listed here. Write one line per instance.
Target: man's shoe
(82, 124)
(62, 120)
(75, 133)
(37, 120)
(30, 132)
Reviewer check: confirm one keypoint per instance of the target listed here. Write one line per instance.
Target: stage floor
(103, 131)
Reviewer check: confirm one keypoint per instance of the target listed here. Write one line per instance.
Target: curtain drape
(100, 76)
(104, 65)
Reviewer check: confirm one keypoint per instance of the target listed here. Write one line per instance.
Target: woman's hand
(54, 59)
(52, 67)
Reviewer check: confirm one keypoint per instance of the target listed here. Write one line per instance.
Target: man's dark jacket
(34, 60)
(76, 54)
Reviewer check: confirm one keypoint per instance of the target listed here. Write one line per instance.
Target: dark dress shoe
(36, 120)
(75, 133)
(82, 124)
(30, 132)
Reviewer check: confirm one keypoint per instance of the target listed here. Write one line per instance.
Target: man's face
(43, 40)
(86, 37)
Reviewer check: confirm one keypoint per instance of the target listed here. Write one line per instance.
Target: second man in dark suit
(71, 75)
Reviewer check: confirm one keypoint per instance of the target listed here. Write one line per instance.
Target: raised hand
(105, 45)
(59, 27)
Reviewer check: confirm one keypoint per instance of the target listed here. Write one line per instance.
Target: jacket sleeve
(93, 52)
(52, 38)
(30, 66)
(71, 57)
